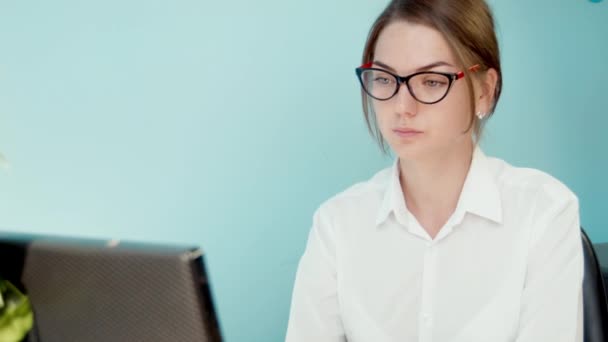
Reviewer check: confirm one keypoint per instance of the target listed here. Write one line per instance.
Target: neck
(432, 186)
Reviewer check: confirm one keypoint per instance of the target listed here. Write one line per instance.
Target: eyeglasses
(427, 87)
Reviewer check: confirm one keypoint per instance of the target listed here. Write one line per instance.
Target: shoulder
(529, 181)
(546, 201)
(365, 195)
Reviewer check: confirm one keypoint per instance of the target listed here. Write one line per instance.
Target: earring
(481, 115)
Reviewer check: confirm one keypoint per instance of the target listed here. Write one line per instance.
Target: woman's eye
(382, 80)
(434, 83)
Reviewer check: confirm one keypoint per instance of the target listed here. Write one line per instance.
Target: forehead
(407, 46)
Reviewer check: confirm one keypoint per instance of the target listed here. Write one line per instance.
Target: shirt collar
(480, 193)
(390, 201)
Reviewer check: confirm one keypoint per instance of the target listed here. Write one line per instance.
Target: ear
(485, 91)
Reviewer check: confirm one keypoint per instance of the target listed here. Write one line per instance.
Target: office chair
(595, 306)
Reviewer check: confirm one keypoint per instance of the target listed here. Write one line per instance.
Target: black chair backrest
(594, 296)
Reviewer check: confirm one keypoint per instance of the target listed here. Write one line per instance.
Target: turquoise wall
(227, 123)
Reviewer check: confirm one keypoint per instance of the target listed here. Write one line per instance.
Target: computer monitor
(105, 290)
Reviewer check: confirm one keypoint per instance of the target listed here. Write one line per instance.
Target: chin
(410, 151)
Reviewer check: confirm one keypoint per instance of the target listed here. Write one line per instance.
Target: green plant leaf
(16, 316)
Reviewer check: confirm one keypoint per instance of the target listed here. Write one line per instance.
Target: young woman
(448, 244)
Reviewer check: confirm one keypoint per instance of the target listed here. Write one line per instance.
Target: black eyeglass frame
(405, 79)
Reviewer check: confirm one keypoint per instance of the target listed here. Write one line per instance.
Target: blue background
(226, 123)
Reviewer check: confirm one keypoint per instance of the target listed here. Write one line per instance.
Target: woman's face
(405, 48)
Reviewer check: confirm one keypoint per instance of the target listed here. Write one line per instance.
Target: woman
(447, 244)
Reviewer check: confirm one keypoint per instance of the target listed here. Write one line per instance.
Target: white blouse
(507, 266)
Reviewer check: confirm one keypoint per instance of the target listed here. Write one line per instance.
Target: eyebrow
(422, 68)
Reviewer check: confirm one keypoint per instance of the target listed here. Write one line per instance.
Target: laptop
(106, 290)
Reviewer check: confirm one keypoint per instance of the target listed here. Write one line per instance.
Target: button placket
(428, 283)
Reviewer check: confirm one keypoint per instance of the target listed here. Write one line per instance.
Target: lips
(407, 132)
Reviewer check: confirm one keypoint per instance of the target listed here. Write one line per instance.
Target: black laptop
(106, 290)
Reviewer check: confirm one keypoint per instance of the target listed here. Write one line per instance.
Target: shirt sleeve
(551, 308)
(315, 314)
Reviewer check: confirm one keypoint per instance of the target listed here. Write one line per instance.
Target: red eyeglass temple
(473, 68)
(459, 74)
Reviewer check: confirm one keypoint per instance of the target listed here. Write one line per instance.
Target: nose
(405, 103)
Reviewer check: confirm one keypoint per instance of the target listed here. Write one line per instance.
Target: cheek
(382, 112)
(456, 109)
